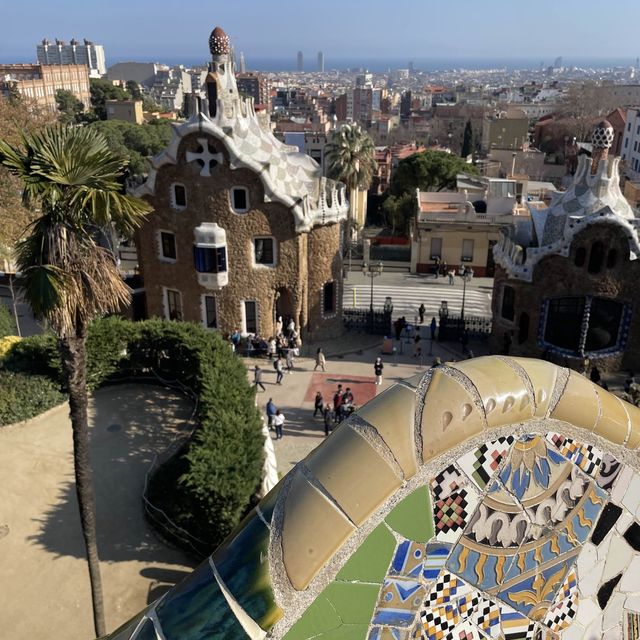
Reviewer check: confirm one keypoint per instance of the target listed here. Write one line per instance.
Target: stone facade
(279, 248)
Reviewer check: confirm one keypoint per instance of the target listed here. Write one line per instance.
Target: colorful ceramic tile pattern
(587, 457)
(482, 463)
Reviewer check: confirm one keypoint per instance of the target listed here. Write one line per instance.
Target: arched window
(612, 257)
(581, 256)
(523, 328)
(595, 257)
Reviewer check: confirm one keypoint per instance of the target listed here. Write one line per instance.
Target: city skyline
(571, 29)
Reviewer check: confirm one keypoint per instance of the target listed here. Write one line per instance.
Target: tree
(102, 90)
(428, 171)
(467, 140)
(133, 88)
(351, 157)
(70, 108)
(70, 174)
(399, 212)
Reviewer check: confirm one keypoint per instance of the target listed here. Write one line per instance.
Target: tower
(300, 61)
(220, 82)
(601, 139)
(243, 66)
(320, 62)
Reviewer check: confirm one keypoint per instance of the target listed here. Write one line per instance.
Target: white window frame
(203, 305)
(165, 302)
(463, 257)
(174, 204)
(161, 255)
(231, 199)
(336, 290)
(243, 315)
(264, 265)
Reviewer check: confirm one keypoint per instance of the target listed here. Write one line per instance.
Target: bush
(207, 487)
(6, 344)
(7, 323)
(25, 396)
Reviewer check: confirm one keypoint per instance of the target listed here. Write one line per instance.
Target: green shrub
(25, 396)
(7, 323)
(35, 355)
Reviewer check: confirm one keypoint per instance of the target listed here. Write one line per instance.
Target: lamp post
(372, 271)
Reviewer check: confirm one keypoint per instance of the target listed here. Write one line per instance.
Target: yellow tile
(503, 392)
(614, 420)
(353, 472)
(392, 413)
(578, 404)
(634, 417)
(449, 416)
(313, 529)
(543, 377)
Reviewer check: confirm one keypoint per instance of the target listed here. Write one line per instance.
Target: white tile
(613, 612)
(623, 522)
(603, 547)
(632, 603)
(631, 498)
(594, 630)
(588, 611)
(586, 559)
(630, 582)
(620, 484)
(574, 632)
(618, 558)
(615, 633)
(589, 582)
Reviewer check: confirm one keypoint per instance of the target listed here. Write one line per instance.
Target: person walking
(433, 327)
(421, 310)
(277, 365)
(328, 418)
(320, 359)
(451, 273)
(417, 344)
(289, 360)
(271, 412)
(337, 401)
(318, 404)
(278, 422)
(377, 369)
(257, 378)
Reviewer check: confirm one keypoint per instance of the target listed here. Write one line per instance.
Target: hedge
(23, 397)
(7, 323)
(217, 473)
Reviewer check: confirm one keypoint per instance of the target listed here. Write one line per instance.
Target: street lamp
(372, 271)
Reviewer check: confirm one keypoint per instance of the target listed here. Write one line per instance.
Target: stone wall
(557, 276)
(208, 201)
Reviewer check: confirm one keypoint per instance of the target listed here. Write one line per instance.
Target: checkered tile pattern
(447, 482)
(515, 626)
(486, 616)
(482, 463)
(451, 513)
(565, 606)
(585, 456)
(446, 588)
(439, 623)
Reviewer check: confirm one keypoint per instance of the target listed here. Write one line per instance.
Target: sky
(166, 30)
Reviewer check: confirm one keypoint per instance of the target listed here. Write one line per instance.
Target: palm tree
(351, 157)
(71, 177)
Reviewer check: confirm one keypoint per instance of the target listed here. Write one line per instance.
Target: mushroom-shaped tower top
(603, 135)
(219, 42)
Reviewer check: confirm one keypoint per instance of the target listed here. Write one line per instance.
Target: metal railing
(363, 321)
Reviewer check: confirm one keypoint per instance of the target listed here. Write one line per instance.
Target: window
(250, 316)
(595, 257)
(564, 321)
(178, 196)
(210, 259)
(436, 248)
(612, 257)
(581, 256)
(168, 246)
(209, 313)
(264, 251)
(329, 297)
(240, 199)
(173, 304)
(467, 251)
(523, 328)
(508, 303)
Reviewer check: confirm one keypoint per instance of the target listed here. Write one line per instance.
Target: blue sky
(396, 29)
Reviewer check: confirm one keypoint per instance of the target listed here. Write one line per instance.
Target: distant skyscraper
(558, 62)
(243, 66)
(320, 62)
(411, 67)
(59, 52)
(300, 61)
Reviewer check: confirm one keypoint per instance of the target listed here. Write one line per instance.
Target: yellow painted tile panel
(614, 420)
(578, 404)
(543, 376)
(392, 413)
(353, 472)
(449, 416)
(634, 418)
(504, 394)
(313, 529)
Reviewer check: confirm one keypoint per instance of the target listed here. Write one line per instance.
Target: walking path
(44, 585)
